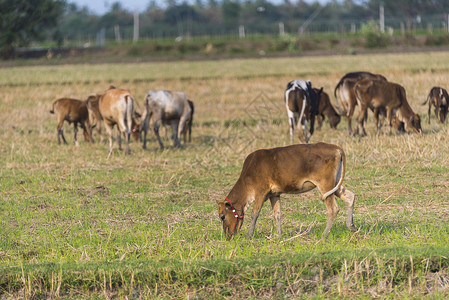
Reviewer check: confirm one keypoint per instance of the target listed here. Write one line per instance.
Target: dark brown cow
(325, 109)
(439, 98)
(381, 94)
(302, 105)
(345, 97)
(268, 173)
(73, 111)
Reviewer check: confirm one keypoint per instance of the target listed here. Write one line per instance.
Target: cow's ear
(218, 202)
(320, 91)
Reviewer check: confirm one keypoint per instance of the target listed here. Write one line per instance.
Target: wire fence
(431, 24)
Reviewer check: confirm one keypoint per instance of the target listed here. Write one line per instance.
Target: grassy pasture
(76, 224)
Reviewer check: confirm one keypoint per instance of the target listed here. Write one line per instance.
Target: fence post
(136, 26)
(381, 17)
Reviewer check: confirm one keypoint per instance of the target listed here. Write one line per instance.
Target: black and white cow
(302, 104)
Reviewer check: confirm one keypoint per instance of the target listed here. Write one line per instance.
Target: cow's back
(304, 160)
(171, 104)
(70, 109)
(114, 102)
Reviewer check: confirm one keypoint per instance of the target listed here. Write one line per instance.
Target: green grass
(76, 224)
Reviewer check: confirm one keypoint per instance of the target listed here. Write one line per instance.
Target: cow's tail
(427, 99)
(339, 175)
(52, 110)
(129, 112)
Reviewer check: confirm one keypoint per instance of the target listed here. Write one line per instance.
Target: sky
(100, 7)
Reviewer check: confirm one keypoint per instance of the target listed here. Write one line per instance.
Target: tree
(22, 21)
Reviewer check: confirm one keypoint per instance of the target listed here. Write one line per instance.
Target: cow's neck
(405, 113)
(240, 197)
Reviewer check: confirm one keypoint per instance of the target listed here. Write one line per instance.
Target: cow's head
(443, 111)
(230, 219)
(334, 120)
(414, 123)
(136, 127)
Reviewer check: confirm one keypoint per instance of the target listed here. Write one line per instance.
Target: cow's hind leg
(75, 131)
(332, 211)
(109, 131)
(276, 206)
(349, 198)
(60, 132)
(156, 132)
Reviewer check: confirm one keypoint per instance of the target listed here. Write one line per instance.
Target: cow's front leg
(110, 133)
(349, 198)
(276, 206)
(389, 118)
(332, 211)
(258, 203)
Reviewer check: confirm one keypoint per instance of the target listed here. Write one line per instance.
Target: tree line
(26, 21)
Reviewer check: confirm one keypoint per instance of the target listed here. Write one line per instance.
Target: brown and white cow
(383, 95)
(302, 104)
(165, 108)
(268, 173)
(325, 109)
(116, 107)
(439, 98)
(73, 111)
(345, 97)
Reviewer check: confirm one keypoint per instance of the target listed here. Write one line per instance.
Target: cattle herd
(266, 173)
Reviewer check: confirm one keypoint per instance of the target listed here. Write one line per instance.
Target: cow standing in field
(345, 96)
(325, 109)
(73, 111)
(268, 173)
(388, 96)
(302, 104)
(116, 107)
(166, 108)
(96, 119)
(439, 98)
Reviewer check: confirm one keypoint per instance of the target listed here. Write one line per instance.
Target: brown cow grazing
(302, 104)
(381, 94)
(166, 107)
(73, 111)
(117, 108)
(325, 109)
(345, 96)
(95, 118)
(268, 173)
(439, 98)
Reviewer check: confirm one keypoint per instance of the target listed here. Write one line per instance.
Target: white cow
(165, 108)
